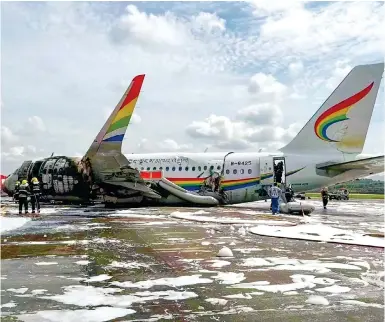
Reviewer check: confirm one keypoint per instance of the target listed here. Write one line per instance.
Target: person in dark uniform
(325, 196)
(16, 193)
(23, 196)
(35, 197)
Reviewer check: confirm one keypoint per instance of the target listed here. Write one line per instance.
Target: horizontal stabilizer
(374, 164)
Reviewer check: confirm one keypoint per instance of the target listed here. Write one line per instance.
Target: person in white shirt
(275, 193)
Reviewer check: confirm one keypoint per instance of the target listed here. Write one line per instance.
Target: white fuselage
(244, 174)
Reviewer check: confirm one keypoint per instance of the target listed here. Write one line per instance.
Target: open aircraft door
(266, 171)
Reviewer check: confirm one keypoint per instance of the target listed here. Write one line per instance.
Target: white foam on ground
(317, 300)
(98, 278)
(130, 265)
(18, 290)
(239, 296)
(291, 264)
(299, 282)
(215, 301)
(46, 263)
(11, 223)
(85, 262)
(318, 232)
(226, 220)
(81, 295)
(171, 281)
(359, 303)
(38, 291)
(99, 314)
(219, 263)
(8, 305)
(229, 277)
(334, 289)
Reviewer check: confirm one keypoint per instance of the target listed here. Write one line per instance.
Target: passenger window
(227, 171)
(249, 171)
(242, 171)
(173, 168)
(161, 168)
(235, 171)
(199, 168)
(193, 168)
(180, 168)
(205, 168)
(167, 168)
(148, 169)
(60, 171)
(218, 167)
(49, 171)
(212, 167)
(154, 168)
(186, 168)
(55, 171)
(142, 168)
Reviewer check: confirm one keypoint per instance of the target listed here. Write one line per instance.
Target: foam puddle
(318, 232)
(92, 296)
(10, 223)
(299, 282)
(289, 264)
(172, 282)
(225, 220)
(99, 314)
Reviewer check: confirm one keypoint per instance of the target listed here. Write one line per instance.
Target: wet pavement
(161, 264)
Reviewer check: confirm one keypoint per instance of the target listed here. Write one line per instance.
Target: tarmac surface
(161, 264)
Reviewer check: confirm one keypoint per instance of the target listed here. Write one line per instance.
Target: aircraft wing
(374, 164)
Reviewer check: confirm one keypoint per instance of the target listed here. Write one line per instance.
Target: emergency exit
(279, 165)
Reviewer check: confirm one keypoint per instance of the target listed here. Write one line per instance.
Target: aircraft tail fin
(110, 138)
(341, 123)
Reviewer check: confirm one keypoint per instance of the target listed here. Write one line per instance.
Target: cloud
(211, 70)
(167, 145)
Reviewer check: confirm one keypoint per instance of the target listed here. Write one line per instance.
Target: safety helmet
(17, 182)
(34, 179)
(24, 182)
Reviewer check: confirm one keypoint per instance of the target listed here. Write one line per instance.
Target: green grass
(351, 195)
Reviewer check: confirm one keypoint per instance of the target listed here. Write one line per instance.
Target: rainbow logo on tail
(117, 129)
(337, 113)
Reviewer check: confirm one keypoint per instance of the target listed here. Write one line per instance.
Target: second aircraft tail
(341, 123)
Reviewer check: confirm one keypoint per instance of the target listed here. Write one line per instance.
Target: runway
(160, 264)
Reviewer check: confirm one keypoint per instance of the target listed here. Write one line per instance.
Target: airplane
(102, 170)
(328, 150)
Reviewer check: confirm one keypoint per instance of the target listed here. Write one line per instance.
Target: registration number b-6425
(240, 163)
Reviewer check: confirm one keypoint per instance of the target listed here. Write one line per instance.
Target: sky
(227, 76)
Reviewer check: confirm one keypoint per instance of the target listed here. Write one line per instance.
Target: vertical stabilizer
(341, 123)
(110, 138)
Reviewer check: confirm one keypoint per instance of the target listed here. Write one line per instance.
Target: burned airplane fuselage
(61, 178)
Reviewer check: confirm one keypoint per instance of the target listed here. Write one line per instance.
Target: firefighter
(16, 193)
(35, 196)
(23, 196)
(325, 196)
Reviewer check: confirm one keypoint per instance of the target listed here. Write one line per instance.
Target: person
(35, 197)
(16, 193)
(275, 193)
(23, 196)
(325, 196)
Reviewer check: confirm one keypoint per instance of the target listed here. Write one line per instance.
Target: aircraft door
(280, 170)
(266, 171)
